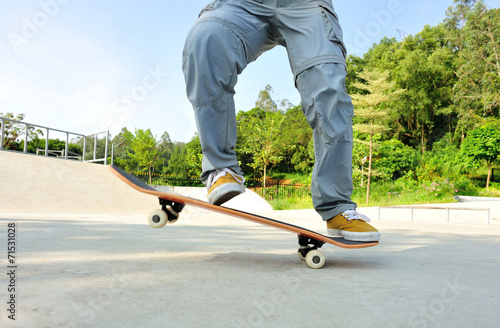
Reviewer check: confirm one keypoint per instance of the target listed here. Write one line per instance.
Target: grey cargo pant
(229, 35)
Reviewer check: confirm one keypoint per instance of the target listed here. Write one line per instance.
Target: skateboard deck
(172, 204)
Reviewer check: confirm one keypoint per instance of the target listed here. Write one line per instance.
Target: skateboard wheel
(315, 259)
(157, 218)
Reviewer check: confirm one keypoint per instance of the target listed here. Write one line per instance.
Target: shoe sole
(225, 193)
(225, 198)
(355, 236)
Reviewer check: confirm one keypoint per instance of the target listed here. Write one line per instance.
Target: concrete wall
(38, 184)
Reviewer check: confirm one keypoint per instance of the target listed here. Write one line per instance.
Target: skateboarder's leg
(219, 46)
(213, 57)
(313, 38)
(329, 111)
(318, 64)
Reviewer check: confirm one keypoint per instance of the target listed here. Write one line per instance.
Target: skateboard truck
(308, 251)
(172, 208)
(169, 213)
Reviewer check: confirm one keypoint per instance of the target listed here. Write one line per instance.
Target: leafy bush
(466, 187)
(395, 159)
(444, 160)
(406, 191)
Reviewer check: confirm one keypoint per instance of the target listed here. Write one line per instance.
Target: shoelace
(214, 176)
(353, 215)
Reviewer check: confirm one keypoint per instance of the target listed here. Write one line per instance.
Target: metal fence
(66, 154)
(275, 188)
(278, 188)
(159, 179)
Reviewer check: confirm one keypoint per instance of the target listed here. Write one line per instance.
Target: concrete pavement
(217, 271)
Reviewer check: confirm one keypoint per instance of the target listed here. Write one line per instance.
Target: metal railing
(47, 151)
(278, 188)
(94, 159)
(61, 154)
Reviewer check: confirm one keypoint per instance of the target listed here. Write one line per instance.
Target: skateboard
(172, 204)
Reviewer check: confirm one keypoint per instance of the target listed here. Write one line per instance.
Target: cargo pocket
(332, 27)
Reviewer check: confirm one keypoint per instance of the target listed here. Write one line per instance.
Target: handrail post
(26, 138)
(2, 132)
(47, 143)
(84, 148)
(95, 145)
(66, 147)
(106, 149)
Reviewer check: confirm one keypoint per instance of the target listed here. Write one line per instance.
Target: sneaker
(352, 225)
(223, 185)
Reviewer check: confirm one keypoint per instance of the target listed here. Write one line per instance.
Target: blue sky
(90, 65)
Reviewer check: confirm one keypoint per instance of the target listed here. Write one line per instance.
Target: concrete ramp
(42, 185)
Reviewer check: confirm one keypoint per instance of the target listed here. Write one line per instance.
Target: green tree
(265, 101)
(143, 149)
(444, 158)
(262, 138)
(424, 66)
(355, 65)
(371, 109)
(360, 150)
(194, 156)
(474, 31)
(384, 56)
(395, 159)
(120, 153)
(296, 136)
(303, 157)
(166, 146)
(483, 144)
(13, 131)
(177, 161)
(425, 71)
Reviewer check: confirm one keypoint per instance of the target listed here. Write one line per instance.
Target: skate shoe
(223, 185)
(352, 225)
